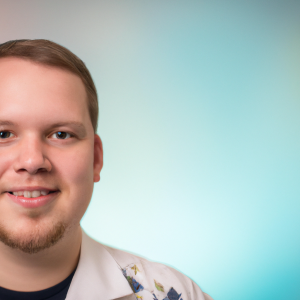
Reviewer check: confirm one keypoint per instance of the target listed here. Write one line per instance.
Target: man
(50, 157)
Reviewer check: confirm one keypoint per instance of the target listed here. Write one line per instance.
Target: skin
(34, 98)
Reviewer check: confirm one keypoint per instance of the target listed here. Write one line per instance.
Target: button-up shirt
(105, 273)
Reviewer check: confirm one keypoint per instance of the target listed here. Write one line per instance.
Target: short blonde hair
(52, 54)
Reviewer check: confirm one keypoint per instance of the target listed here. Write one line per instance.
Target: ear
(98, 157)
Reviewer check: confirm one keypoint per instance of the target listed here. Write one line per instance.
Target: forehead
(28, 90)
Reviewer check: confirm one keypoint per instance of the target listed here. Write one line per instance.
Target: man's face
(48, 149)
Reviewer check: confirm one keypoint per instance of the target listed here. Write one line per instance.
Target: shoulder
(155, 281)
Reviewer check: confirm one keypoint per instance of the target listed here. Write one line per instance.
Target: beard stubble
(36, 241)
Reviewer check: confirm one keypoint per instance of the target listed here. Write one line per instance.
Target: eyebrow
(6, 123)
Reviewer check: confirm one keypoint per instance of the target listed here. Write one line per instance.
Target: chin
(32, 238)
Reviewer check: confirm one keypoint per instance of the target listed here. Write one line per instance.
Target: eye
(5, 134)
(61, 135)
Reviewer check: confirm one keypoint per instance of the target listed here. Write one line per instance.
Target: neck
(32, 272)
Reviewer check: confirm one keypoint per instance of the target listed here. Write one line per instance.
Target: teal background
(199, 116)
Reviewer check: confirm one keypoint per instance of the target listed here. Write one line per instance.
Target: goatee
(36, 241)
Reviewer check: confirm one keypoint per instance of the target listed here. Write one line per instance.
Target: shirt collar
(98, 276)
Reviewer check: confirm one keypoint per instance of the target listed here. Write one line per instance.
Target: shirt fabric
(57, 292)
(105, 273)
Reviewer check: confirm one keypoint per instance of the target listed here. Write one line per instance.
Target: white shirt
(105, 273)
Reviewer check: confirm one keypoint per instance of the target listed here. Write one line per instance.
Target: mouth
(32, 194)
(32, 198)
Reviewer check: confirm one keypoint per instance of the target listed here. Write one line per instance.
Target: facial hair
(36, 241)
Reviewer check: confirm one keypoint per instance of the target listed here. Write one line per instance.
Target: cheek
(74, 171)
(6, 161)
(75, 167)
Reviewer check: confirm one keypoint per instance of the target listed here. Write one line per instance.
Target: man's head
(48, 146)
(48, 53)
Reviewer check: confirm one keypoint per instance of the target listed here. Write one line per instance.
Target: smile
(32, 197)
(31, 194)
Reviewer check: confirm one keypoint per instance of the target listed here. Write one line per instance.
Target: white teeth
(27, 194)
(35, 194)
(31, 194)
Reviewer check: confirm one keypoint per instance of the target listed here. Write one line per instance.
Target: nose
(31, 157)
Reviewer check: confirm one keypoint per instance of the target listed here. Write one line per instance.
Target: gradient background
(199, 116)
